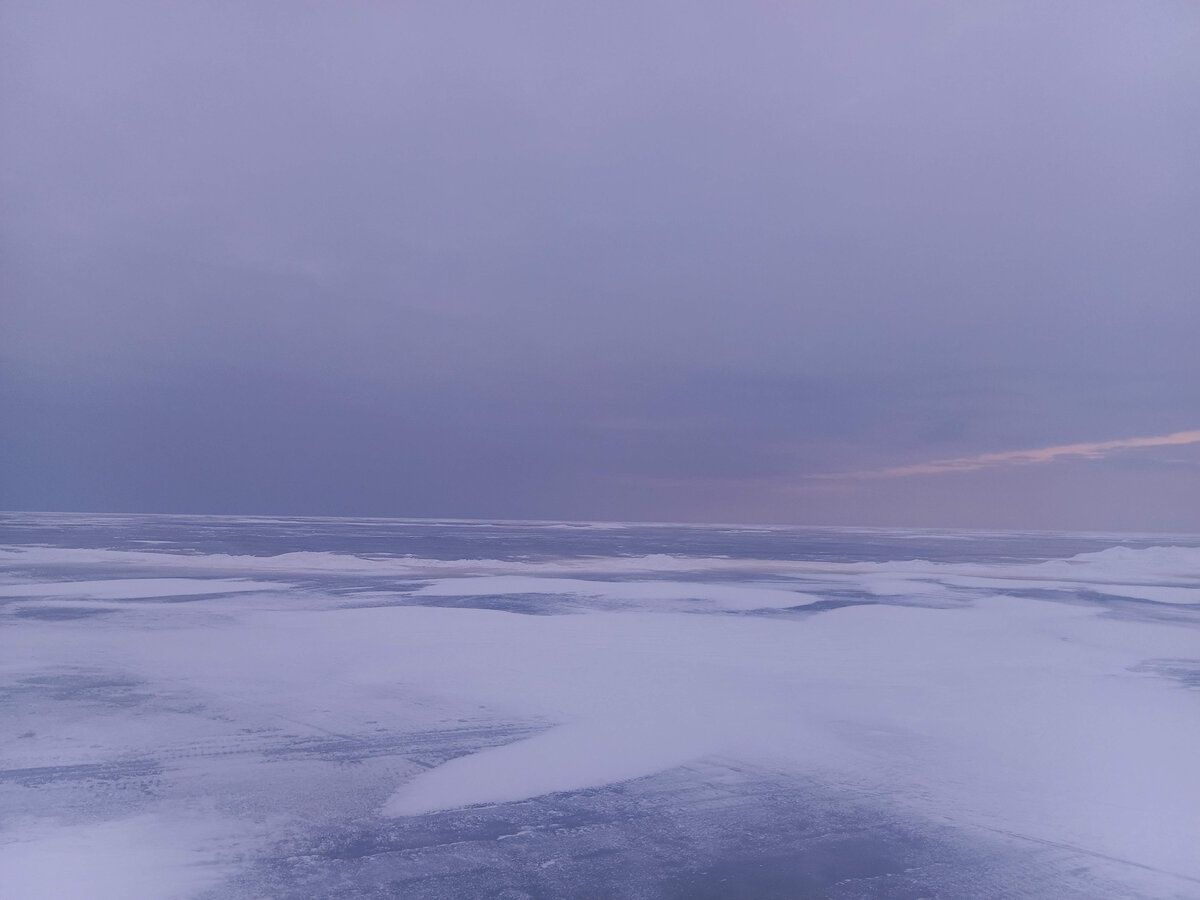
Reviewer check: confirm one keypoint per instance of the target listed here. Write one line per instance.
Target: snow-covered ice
(295, 708)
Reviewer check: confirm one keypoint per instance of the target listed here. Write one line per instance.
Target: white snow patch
(1015, 713)
(140, 857)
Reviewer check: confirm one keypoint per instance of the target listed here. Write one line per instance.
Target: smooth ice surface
(196, 719)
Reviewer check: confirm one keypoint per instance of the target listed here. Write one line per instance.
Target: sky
(844, 263)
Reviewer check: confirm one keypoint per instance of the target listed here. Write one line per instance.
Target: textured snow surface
(183, 723)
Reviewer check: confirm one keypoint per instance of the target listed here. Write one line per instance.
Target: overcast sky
(813, 262)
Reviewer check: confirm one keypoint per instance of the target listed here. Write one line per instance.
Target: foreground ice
(786, 714)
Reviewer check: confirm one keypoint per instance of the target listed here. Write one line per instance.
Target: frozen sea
(217, 707)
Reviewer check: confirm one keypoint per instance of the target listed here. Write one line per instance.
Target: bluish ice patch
(79, 686)
(118, 770)
(1185, 671)
(710, 830)
(1114, 605)
(522, 604)
(426, 748)
(47, 613)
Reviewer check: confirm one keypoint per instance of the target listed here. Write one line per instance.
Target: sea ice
(177, 748)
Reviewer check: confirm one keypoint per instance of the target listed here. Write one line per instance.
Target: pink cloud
(1024, 457)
